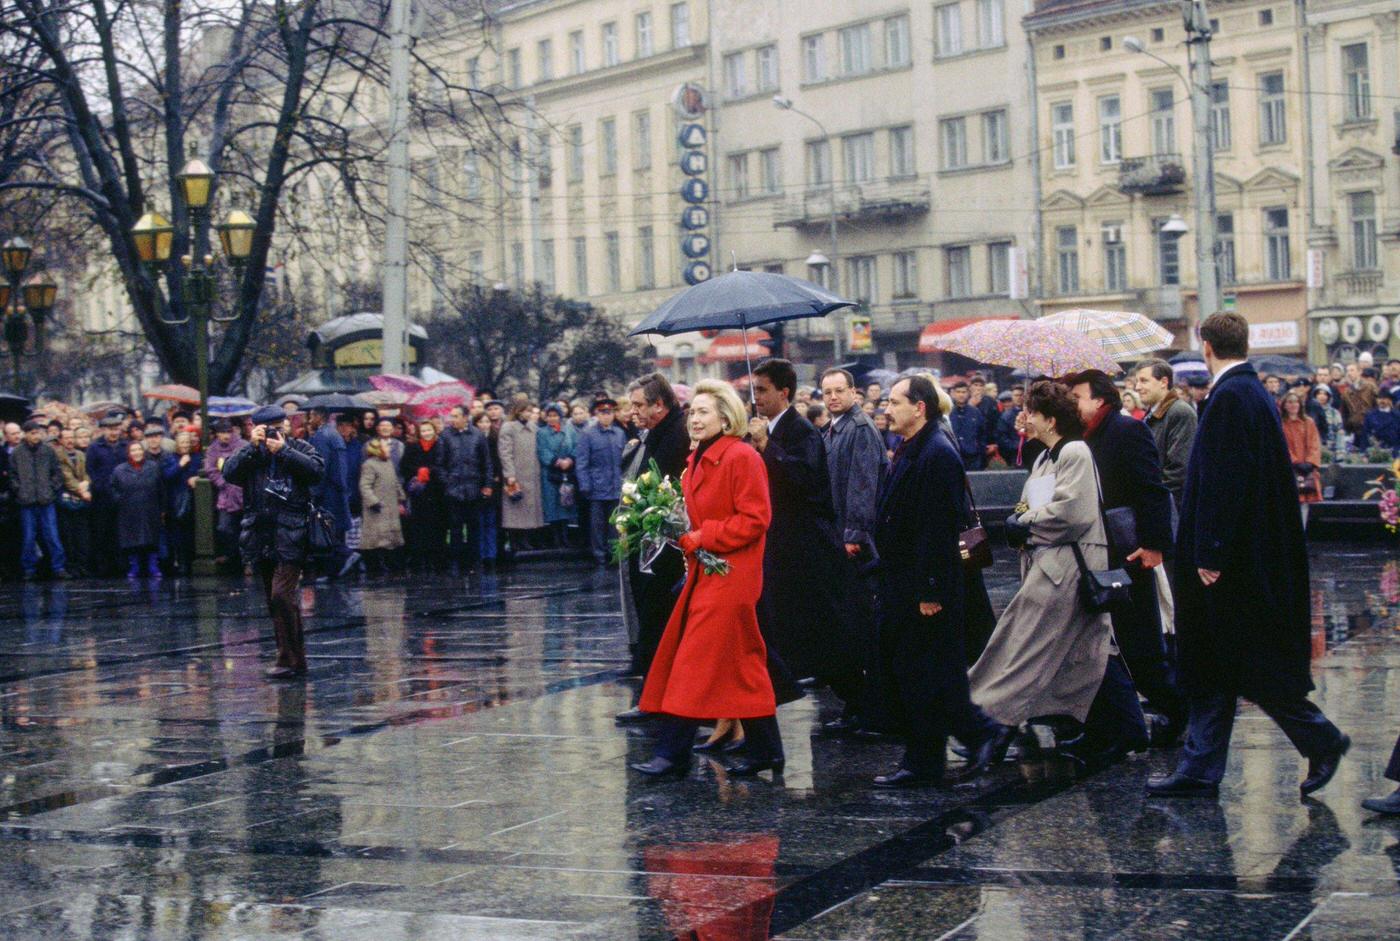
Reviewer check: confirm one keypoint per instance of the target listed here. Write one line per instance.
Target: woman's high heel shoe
(712, 746)
(734, 745)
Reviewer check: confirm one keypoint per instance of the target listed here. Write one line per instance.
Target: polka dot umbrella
(1033, 345)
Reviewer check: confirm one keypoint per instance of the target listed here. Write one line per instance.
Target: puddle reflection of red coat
(700, 896)
(711, 662)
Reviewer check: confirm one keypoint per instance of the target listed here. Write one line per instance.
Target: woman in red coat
(712, 662)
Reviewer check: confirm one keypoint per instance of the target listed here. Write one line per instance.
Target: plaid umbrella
(1122, 333)
(1033, 345)
(174, 392)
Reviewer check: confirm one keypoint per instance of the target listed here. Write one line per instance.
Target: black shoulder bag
(1101, 590)
(974, 544)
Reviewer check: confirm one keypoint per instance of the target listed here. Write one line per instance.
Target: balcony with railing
(873, 201)
(1360, 284)
(1158, 175)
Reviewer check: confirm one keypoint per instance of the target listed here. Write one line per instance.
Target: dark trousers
(488, 525)
(600, 534)
(1116, 715)
(924, 685)
(73, 533)
(425, 534)
(762, 740)
(1138, 632)
(102, 535)
(226, 535)
(464, 531)
(1213, 719)
(654, 596)
(280, 581)
(38, 523)
(1392, 770)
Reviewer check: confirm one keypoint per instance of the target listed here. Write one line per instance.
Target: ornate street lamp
(40, 293)
(196, 182)
(15, 255)
(154, 237)
(236, 236)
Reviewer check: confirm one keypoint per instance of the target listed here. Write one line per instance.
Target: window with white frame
(1272, 123)
(517, 263)
(641, 140)
(1067, 259)
(855, 49)
(1062, 131)
(680, 25)
(814, 58)
(544, 264)
(952, 134)
(474, 72)
(577, 63)
(544, 159)
(1220, 116)
(998, 267)
(906, 275)
(575, 153)
(1225, 248)
(476, 266)
(766, 68)
(736, 75)
(544, 56)
(994, 147)
(957, 263)
(645, 43)
(902, 159)
(646, 258)
(818, 162)
(607, 139)
(611, 55)
(1115, 257)
(859, 153)
(1168, 253)
(1362, 209)
(991, 26)
(1110, 129)
(612, 247)
(1356, 81)
(471, 172)
(770, 174)
(949, 24)
(580, 266)
(1277, 252)
(1163, 121)
(514, 75)
(896, 42)
(860, 278)
(738, 175)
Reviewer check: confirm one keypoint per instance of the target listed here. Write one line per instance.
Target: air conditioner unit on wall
(1112, 234)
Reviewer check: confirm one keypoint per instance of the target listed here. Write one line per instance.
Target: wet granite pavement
(451, 770)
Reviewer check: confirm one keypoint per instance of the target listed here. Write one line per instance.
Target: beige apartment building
(1352, 55)
(1115, 137)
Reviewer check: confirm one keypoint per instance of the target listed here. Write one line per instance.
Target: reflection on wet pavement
(452, 771)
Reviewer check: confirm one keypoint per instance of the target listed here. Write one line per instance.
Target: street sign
(695, 245)
(695, 190)
(689, 101)
(692, 136)
(697, 271)
(694, 163)
(695, 217)
(1228, 300)
(1328, 330)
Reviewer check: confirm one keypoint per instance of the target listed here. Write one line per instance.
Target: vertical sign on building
(1315, 269)
(689, 104)
(1019, 267)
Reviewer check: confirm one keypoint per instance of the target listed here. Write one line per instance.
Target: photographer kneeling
(277, 474)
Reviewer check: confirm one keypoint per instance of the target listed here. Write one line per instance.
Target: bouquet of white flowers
(652, 516)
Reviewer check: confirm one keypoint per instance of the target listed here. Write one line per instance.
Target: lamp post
(38, 294)
(154, 238)
(1202, 157)
(785, 104)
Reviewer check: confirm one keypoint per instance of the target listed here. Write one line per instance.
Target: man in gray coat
(1172, 421)
(37, 480)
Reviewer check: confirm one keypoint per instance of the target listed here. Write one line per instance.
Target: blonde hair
(945, 401)
(375, 448)
(734, 418)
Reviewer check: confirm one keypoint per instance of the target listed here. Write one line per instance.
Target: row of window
(609, 42)
(949, 35)
(959, 279)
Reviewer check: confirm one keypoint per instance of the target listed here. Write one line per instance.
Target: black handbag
(320, 531)
(974, 544)
(1103, 590)
(1120, 526)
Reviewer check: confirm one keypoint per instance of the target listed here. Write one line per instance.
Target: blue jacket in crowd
(970, 428)
(598, 461)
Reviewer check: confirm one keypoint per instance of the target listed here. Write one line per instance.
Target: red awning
(730, 347)
(930, 338)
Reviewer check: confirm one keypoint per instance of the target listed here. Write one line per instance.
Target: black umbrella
(1188, 356)
(14, 407)
(1280, 366)
(336, 402)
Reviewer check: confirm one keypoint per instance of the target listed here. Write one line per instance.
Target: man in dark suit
(1243, 623)
(856, 463)
(659, 413)
(969, 427)
(801, 609)
(920, 635)
(1130, 475)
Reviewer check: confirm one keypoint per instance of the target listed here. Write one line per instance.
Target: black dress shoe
(1166, 731)
(283, 673)
(734, 746)
(748, 767)
(633, 716)
(660, 768)
(1179, 785)
(1389, 805)
(989, 753)
(903, 778)
(842, 725)
(1320, 770)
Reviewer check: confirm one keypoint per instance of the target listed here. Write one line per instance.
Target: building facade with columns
(1115, 137)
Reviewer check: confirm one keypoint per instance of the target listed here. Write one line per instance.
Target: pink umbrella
(1037, 347)
(395, 382)
(438, 399)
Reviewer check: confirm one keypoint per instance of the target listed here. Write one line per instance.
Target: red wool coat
(712, 663)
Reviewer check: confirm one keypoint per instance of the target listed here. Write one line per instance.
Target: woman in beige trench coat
(381, 492)
(1048, 654)
(520, 467)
